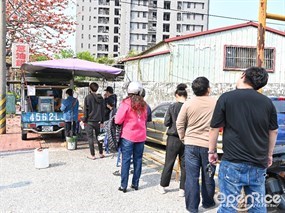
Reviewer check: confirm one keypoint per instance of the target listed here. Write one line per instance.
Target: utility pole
(262, 28)
(3, 67)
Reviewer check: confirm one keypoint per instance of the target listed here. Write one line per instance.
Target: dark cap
(109, 89)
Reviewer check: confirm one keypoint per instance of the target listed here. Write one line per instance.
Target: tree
(64, 54)
(42, 24)
(105, 60)
(39, 57)
(85, 56)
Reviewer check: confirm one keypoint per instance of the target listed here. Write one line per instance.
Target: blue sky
(245, 9)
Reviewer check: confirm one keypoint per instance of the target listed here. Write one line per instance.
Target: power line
(206, 14)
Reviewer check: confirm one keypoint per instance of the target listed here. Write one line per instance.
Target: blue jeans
(235, 176)
(130, 149)
(196, 160)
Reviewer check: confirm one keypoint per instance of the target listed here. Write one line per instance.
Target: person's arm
(181, 122)
(167, 118)
(271, 145)
(121, 113)
(85, 110)
(63, 106)
(213, 138)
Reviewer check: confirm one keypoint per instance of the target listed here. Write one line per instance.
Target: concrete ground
(74, 183)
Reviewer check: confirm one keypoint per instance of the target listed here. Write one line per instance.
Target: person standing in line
(109, 95)
(249, 122)
(69, 107)
(193, 125)
(132, 115)
(94, 117)
(174, 145)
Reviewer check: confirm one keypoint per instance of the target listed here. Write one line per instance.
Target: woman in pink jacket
(132, 115)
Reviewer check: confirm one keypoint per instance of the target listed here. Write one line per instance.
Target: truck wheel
(24, 136)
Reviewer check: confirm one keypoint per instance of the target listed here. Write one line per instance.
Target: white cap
(135, 88)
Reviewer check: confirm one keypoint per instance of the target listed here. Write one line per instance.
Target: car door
(156, 131)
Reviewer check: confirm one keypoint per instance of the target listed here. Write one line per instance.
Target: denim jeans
(235, 176)
(196, 160)
(128, 150)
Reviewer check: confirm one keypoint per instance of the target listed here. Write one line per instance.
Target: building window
(165, 27)
(116, 39)
(138, 26)
(115, 48)
(179, 5)
(88, 46)
(117, 12)
(166, 16)
(117, 2)
(116, 21)
(89, 18)
(116, 29)
(179, 16)
(238, 58)
(144, 26)
(82, 28)
(82, 36)
(82, 18)
(82, 45)
(178, 28)
(144, 14)
(167, 5)
(143, 37)
(165, 37)
(138, 14)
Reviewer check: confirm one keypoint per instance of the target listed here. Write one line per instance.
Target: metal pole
(261, 33)
(3, 67)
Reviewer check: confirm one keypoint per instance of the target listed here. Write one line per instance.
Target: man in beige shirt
(193, 125)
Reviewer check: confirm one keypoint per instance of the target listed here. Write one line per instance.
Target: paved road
(74, 183)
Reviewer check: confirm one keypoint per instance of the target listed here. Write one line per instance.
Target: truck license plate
(47, 128)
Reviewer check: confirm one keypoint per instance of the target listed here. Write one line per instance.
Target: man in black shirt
(249, 122)
(109, 95)
(94, 117)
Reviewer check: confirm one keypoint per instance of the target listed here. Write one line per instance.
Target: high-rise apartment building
(114, 27)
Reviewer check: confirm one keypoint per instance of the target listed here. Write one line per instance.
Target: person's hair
(69, 92)
(137, 102)
(200, 86)
(181, 90)
(94, 87)
(143, 93)
(110, 101)
(256, 77)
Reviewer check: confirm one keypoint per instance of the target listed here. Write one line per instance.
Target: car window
(160, 111)
(280, 106)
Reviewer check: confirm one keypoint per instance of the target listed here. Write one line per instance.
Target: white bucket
(71, 144)
(41, 158)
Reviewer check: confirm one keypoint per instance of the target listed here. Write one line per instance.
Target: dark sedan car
(156, 131)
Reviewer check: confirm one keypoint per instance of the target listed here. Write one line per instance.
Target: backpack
(114, 134)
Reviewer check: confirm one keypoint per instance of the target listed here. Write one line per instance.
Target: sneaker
(181, 193)
(160, 189)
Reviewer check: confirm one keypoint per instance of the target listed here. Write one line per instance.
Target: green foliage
(64, 54)
(105, 60)
(39, 57)
(132, 53)
(85, 56)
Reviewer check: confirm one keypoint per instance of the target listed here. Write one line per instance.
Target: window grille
(238, 57)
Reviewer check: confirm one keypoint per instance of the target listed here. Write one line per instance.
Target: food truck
(42, 86)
